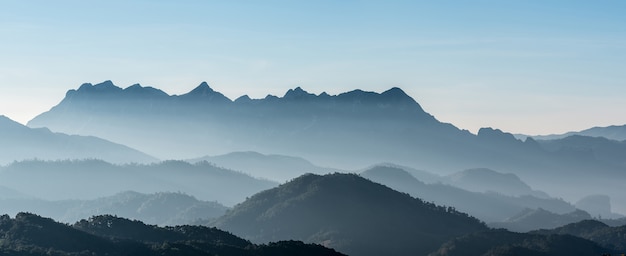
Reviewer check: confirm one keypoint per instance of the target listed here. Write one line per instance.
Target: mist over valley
(358, 173)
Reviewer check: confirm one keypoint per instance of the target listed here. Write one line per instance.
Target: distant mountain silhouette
(533, 219)
(584, 149)
(506, 243)
(489, 207)
(29, 234)
(20, 142)
(157, 209)
(348, 131)
(205, 121)
(487, 180)
(615, 222)
(278, 168)
(91, 179)
(613, 132)
(348, 213)
(594, 230)
(8, 193)
(599, 206)
(421, 175)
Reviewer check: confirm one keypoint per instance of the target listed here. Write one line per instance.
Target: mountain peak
(205, 92)
(396, 92)
(244, 98)
(202, 89)
(297, 93)
(137, 89)
(104, 87)
(105, 84)
(495, 134)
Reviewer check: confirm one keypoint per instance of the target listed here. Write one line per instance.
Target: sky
(531, 67)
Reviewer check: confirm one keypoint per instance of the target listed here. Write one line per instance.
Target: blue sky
(533, 67)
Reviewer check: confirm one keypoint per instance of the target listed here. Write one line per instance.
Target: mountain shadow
(348, 213)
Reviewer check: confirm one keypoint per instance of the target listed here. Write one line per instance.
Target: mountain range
(347, 131)
(439, 205)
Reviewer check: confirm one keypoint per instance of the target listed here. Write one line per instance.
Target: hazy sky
(532, 67)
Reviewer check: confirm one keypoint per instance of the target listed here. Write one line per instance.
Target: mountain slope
(20, 143)
(487, 180)
(348, 213)
(489, 207)
(533, 219)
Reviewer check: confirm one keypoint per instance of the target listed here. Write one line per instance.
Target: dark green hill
(348, 213)
(506, 243)
(610, 237)
(30, 234)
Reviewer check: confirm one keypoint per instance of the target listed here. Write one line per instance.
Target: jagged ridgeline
(204, 121)
(349, 130)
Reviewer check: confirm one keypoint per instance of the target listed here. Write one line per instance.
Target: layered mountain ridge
(348, 131)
